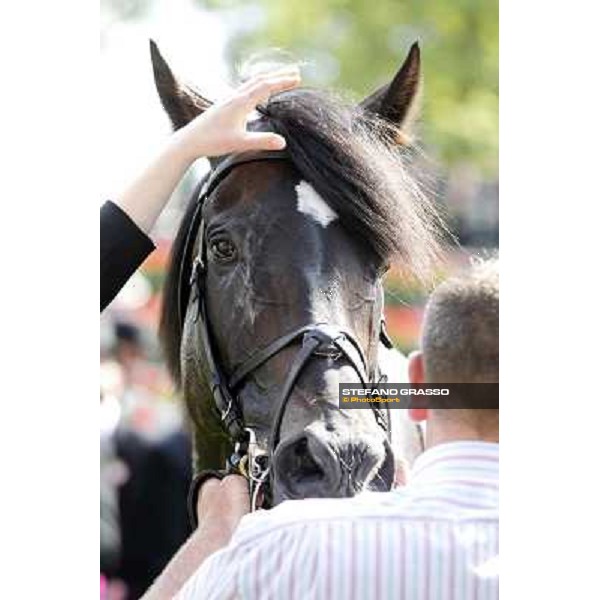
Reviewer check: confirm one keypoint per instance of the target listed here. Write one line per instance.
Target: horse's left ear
(181, 102)
(397, 101)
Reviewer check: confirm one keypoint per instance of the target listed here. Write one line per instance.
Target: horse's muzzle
(314, 466)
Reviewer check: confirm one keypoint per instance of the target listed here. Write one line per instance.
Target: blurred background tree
(359, 44)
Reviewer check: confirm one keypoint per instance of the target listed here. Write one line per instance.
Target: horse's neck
(406, 437)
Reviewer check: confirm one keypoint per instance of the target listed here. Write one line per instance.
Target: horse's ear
(398, 101)
(181, 102)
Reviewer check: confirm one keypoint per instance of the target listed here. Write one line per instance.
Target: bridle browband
(315, 339)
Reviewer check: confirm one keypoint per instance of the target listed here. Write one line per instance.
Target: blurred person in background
(128, 351)
(110, 530)
(125, 223)
(112, 475)
(438, 534)
(145, 471)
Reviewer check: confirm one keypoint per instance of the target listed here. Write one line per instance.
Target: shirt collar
(453, 459)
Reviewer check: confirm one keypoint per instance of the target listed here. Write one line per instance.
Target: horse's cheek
(210, 442)
(195, 390)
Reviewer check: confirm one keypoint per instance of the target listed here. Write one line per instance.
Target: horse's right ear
(181, 102)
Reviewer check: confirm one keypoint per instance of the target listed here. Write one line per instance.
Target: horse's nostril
(303, 467)
(304, 464)
(330, 427)
(301, 446)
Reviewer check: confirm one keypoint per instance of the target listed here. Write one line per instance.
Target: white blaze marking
(311, 204)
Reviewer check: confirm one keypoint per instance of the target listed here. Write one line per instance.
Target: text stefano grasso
(408, 391)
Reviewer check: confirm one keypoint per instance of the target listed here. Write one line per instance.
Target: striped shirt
(435, 538)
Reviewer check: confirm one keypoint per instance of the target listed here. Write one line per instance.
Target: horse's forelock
(351, 159)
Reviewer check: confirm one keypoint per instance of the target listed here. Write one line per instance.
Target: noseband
(314, 340)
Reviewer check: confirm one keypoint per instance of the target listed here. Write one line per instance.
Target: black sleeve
(123, 248)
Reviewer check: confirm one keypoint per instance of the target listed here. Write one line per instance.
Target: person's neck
(443, 433)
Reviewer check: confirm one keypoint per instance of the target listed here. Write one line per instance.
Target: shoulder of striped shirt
(370, 507)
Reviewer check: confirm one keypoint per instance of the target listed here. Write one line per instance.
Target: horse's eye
(222, 249)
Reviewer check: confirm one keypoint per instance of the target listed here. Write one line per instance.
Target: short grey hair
(460, 327)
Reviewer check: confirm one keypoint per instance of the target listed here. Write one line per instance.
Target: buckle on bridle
(225, 414)
(196, 266)
(196, 283)
(252, 463)
(327, 347)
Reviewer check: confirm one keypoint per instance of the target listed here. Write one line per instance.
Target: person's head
(128, 344)
(459, 344)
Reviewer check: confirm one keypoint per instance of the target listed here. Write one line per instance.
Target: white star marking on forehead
(312, 205)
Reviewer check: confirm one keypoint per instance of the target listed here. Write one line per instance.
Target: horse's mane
(349, 157)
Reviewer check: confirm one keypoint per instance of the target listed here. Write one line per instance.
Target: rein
(315, 339)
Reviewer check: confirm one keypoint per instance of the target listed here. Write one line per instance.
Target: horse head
(274, 295)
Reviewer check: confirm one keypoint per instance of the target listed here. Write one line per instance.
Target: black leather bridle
(316, 339)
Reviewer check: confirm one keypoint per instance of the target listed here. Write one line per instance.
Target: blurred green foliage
(359, 44)
(125, 10)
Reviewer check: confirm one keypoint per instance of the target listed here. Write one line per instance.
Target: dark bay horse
(274, 294)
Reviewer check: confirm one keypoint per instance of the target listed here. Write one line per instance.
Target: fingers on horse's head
(396, 102)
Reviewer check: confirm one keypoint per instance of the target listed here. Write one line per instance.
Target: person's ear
(416, 367)
(416, 375)
(418, 414)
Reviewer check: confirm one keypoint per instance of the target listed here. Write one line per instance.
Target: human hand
(222, 503)
(221, 129)
(401, 471)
